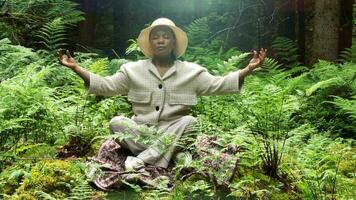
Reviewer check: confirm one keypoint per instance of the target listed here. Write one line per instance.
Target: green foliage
(25, 20)
(133, 50)
(48, 99)
(84, 191)
(268, 119)
(327, 83)
(347, 106)
(286, 51)
(198, 31)
(316, 166)
(349, 54)
(13, 58)
(284, 126)
(53, 35)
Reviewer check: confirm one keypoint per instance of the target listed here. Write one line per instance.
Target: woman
(161, 90)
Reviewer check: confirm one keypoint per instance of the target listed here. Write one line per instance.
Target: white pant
(161, 145)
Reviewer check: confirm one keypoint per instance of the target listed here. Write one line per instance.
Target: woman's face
(162, 41)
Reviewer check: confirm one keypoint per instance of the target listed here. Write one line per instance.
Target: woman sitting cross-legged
(161, 90)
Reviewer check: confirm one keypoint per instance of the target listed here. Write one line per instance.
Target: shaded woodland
(289, 135)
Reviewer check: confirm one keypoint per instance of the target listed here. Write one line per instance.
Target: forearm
(83, 74)
(243, 73)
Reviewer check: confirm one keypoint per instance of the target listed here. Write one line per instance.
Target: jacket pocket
(139, 96)
(182, 99)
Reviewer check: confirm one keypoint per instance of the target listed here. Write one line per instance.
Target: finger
(255, 54)
(263, 52)
(60, 55)
(68, 54)
(261, 57)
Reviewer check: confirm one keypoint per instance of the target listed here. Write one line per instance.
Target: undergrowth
(287, 135)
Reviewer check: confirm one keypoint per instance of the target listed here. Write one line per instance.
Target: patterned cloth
(105, 167)
(153, 145)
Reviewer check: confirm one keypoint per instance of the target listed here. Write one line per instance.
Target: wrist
(249, 68)
(75, 67)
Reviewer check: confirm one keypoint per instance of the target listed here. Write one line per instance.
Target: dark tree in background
(87, 28)
(326, 26)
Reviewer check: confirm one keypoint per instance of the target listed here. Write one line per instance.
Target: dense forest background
(289, 135)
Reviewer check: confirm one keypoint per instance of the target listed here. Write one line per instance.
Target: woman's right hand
(66, 59)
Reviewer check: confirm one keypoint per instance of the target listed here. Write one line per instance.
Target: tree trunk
(87, 27)
(346, 24)
(325, 37)
(300, 28)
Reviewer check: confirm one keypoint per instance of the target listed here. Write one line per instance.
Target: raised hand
(257, 59)
(66, 59)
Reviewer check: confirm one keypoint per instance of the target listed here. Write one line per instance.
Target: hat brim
(181, 41)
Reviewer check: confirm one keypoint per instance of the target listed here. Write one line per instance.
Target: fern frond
(287, 51)
(324, 84)
(348, 54)
(198, 31)
(44, 195)
(53, 35)
(82, 191)
(237, 59)
(346, 105)
(58, 7)
(233, 63)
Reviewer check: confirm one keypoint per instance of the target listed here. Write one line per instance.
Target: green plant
(286, 51)
(23, 19)
(53, 35)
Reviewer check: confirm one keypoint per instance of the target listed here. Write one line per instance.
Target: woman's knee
(118, 123)
(189, 120)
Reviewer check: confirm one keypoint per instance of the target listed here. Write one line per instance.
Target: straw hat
(181, 38)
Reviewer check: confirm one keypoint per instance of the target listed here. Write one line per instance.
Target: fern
(272, 72)
(287, 51)
(100, 67)
(348, 54)
(198, 31)
(13, 58)
(39, 16)
(53, 35)
(58, 7)
(82, 191)
(44, 195)
(133, 50)
(233, 63)
(328, 75)
(346, 105)
(324, 84)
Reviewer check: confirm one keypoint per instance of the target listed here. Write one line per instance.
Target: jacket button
(157, 108)
(160, 86)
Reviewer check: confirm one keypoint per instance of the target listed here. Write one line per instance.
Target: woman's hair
(173, 56)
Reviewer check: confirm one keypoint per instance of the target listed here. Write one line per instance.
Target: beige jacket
(155, 98)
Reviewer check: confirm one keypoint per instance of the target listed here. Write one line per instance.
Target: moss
(282, 196)
(55, 177)
(9, 184)
(347, 165)
(23, 196)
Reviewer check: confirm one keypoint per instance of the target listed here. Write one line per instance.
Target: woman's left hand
(257, 59)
